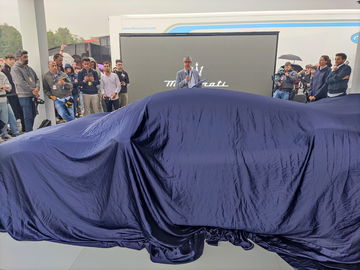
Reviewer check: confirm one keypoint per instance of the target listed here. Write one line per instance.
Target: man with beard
(338, 78)
(27, 87)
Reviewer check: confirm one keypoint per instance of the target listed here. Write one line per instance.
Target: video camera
(38, 101)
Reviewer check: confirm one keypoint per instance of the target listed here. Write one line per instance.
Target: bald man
(58, 87)
(187, 77)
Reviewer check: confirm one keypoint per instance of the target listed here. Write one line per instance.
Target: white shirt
(110, 84)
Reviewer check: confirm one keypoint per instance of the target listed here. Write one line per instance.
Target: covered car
(184, 167)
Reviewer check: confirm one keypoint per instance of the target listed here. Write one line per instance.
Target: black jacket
(123, 77)
(336, 83)
(6, 70)
(88, 87)
(318, 85)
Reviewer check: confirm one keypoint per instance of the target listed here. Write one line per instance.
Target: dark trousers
(110, 104)
(15, 106)
(29, 111)
(76, 104)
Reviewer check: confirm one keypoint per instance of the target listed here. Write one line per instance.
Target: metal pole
(34, 40)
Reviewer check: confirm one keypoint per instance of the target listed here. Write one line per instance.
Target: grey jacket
(182, 83)
(4, 81)
(25, 79)
(52, 88)
(287, 82)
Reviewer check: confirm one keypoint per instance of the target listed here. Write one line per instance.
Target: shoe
(6, 137)
(18, 124)
(1, 140)
(15, 134)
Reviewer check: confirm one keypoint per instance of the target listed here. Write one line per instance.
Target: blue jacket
(335, 81)
(318, 86)
(88, 87)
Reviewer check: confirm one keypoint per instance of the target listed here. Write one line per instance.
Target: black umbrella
(290, 57)
(295, 67)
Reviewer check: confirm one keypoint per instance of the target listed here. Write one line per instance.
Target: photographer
(305, 77)
(27, 88)
(285, 82)
(58, 87)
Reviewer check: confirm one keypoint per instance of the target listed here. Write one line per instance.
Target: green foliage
(10, 40)
(61, 36)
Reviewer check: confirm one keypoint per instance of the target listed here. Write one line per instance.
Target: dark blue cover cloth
(186, 166)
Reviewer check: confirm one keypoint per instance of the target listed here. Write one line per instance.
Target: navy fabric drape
(186, 166)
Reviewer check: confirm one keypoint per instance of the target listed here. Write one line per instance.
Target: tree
(61, 36)
(10, 40)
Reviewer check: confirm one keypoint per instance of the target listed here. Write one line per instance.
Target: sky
(89, 18)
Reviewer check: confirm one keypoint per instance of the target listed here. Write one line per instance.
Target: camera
(69, 103)
(38, 101)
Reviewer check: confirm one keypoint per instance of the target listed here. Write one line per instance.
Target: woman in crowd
(318, 86)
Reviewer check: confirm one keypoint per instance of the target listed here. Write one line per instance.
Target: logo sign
(355, 38)
(200, 69)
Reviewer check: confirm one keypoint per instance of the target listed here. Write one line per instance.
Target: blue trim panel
(190, 28)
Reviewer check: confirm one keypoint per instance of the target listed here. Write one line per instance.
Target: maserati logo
(200, 69)
(197, 68)
(355, 37)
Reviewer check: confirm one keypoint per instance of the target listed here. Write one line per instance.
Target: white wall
(121, 7)
(71, 13)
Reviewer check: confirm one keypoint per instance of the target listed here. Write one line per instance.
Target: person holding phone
(88, 80)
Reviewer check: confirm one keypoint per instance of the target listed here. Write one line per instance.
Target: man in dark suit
(338, 78)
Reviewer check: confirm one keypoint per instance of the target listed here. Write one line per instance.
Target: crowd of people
(82, 88)
(317, 81)
(76, 89)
